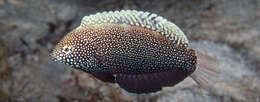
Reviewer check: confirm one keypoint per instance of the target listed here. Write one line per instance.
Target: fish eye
(66, 49)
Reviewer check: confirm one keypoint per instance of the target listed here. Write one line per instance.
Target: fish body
(140, 51)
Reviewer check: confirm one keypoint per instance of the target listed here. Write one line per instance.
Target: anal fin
(149, 82)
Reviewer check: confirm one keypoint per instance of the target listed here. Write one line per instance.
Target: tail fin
(206, 72)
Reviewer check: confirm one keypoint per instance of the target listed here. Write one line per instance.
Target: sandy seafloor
(228, 30)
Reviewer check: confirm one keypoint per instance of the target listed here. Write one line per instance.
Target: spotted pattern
(74, 50)
(124, 49)
(140, 51)
(131, 49)
(141, 19)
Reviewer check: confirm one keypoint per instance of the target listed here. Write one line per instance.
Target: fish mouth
(53, 57)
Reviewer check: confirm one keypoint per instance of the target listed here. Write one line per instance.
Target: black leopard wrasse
(140, 51)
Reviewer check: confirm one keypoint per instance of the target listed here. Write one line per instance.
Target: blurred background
(228, 30)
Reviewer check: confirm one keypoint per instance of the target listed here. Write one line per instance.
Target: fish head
(70, 50)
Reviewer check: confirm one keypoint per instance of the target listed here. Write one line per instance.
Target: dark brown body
(142, 60)
(135, 50)
(140, 51)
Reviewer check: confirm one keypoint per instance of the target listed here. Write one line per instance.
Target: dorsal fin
(139, 18)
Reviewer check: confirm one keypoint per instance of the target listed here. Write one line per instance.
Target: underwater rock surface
(228, 30)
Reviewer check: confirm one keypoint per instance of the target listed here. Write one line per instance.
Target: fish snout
(54, 56)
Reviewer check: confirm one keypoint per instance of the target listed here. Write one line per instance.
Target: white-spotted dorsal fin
(139, 18)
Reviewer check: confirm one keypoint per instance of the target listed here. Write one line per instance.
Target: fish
(140, 51)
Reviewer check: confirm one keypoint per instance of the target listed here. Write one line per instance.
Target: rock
(4, 74)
